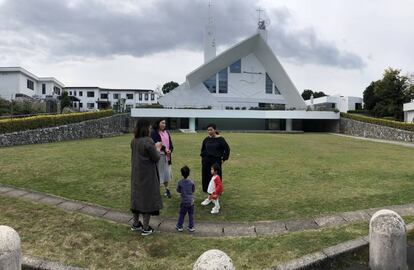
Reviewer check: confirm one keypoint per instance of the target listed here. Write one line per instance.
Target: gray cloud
(98, 28)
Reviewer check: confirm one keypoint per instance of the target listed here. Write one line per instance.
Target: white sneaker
(206, 202)
(215, 210)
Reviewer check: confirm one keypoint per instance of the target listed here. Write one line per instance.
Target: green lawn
(80, 240)
(268, 176)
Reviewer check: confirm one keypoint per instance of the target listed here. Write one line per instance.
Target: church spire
(261, 24)
(209, 36)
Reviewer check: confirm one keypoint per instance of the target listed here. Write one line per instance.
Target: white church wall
(247, 88)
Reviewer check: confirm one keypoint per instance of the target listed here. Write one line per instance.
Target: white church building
(244, 87)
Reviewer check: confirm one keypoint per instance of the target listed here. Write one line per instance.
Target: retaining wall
(95, 128)
(367, 130)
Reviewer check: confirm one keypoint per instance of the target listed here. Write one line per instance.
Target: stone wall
(95, 128)
(362, 129)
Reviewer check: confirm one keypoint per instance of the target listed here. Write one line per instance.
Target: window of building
(211, 84)
(74, 93)
(140, 96)
(358, 106)
(80, 105)
(277, 92)
(80, 93)
(223, 79)
(130, 96)
(104, 96)
(90, 94)
(90, 105)
(236, 67)
(70, 93)
(56, 90)
(116, 96)
(152, 96)
(146, 96)
(30, 84)
(269, 85)
(43, 89)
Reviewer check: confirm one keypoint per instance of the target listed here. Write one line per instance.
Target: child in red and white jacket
(215, 189)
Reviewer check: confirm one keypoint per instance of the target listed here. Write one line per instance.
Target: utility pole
(11, 108)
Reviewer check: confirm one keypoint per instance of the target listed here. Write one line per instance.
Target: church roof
(259, 47)
(185, 97)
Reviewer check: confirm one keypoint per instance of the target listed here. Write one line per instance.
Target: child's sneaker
(147, 231)
(167, 194)
(215, 210)
(136, 227)
(192, 229)
(206, 202)
(180, 229)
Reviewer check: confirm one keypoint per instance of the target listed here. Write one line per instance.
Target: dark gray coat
(145, 183)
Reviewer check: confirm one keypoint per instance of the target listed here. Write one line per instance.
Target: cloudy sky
(338, 47)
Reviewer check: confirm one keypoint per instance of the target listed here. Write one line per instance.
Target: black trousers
(206, 163)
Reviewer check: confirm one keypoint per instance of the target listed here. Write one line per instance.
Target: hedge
(44, 121)
(379, 121)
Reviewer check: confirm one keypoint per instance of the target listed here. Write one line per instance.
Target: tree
(64, 100)
(369, 97)
(319, 94)
(385, 97)
(167, 87)
(4, 107)
(307, 93)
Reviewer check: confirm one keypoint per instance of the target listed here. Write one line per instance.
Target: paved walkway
(406, 144)
(206, 229)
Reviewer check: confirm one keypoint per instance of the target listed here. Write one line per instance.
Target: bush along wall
(369, 127)
(44, 121)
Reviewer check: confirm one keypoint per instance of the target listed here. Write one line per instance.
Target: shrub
(366, 112)
(150, 106)
(44, 121)
(379, 121)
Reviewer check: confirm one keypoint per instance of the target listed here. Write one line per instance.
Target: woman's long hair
(142, 128)
(156, 125)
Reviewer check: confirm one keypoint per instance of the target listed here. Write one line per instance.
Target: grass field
(79, 240)
(268, 176)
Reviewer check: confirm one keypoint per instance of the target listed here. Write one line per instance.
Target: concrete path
(204, 228)
(406, 144)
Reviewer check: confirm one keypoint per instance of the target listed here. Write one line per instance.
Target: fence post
(10, 254)
(214, 259)
(387, 241)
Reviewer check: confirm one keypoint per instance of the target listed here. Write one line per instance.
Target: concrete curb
(400, 143)
(34, 263)
(205, 228)
(328, 254)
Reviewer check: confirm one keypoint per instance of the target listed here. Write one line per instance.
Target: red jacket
(218, 188)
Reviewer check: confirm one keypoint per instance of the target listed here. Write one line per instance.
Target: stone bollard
(214, 259)
(10, 256)
(387, 241)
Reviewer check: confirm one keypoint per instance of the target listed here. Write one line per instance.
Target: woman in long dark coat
(145, 183)
(213, 150)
